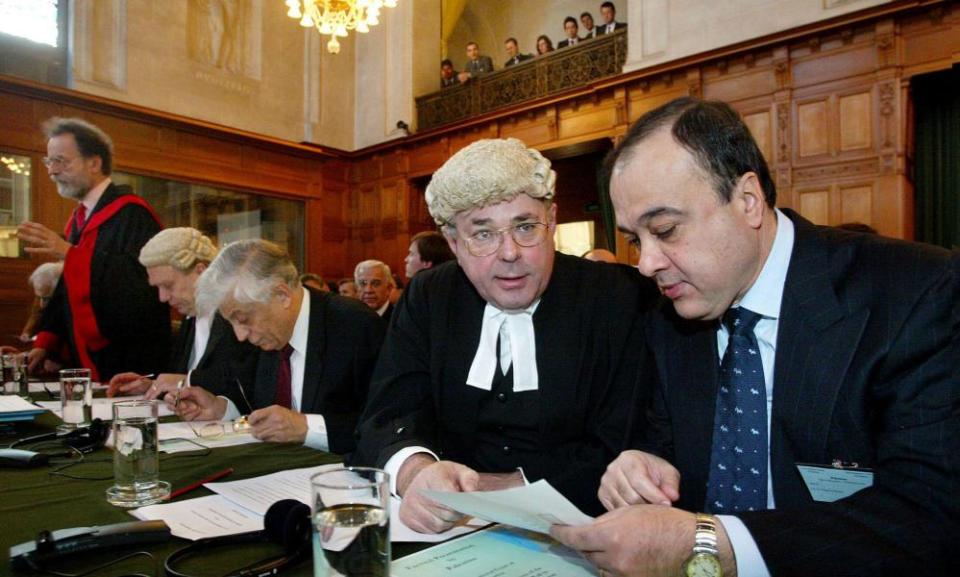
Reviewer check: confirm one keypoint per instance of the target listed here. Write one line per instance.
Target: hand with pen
(274, 424)
(124, 384)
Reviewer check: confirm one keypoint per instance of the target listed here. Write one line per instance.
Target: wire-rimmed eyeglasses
(487, 242)
(57, 161)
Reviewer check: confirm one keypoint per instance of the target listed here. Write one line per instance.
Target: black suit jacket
(866, 371)
(565, 43)
(224, 360)
(588, 345)
(342, 346)
(480, 66)
(517, 59)
(602, 29)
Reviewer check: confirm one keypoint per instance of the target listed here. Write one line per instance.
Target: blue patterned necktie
(738, 459)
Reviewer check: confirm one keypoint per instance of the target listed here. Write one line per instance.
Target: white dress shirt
(517, 348)
(201, 336)
(763, 298)
(316, 425)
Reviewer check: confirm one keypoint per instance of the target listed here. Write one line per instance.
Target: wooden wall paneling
(828, 65)
(585, 119)
(427, 158)
(856, 203)
(857, 119)
(730, 86)
(815, 205)
(532, 129)
(812, 128)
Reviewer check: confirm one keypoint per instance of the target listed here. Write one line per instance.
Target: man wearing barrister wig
(510, 365)
(206, 352)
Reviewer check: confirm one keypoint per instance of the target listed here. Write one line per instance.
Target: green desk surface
(32, 500)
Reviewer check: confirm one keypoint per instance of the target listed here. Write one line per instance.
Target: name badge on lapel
(829, 483)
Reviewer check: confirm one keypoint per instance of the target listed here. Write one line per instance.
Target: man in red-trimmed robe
(103, 309)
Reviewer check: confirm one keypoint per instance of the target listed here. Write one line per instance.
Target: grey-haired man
(317, 349)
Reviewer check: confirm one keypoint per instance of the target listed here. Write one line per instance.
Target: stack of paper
(14, 408)
(239, 507)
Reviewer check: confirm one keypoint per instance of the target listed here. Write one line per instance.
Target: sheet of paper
(499, 551)
(172, 435)
(259, 493)
(102, 407)
(400, 533)
(16, 404)
(210, 516)
(534, 507)
(828, 484)
(53, 387)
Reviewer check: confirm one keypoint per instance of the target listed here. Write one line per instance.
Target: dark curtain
(936, 99)
(606, 207)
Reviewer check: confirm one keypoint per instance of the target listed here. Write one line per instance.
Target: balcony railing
(555, 72)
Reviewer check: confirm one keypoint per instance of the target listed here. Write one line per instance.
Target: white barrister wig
(488, 172)
(180, 248)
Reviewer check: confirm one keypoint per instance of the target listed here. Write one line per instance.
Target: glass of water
(351, 522)
(136, 463)
(15, 380)
(76, 398)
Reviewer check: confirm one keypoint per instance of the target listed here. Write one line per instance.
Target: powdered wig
(46, 276)
(248, 271)
(180, 248)
(488, 172)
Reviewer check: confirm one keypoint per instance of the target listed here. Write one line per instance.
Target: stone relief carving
(215, 32)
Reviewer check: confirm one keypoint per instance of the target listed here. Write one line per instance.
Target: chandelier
(335, 17)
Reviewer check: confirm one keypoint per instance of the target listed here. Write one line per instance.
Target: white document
(259, 493)
(53, 387)
(172, 435)
(534, 507)
(102, 407)
(210, 516)
(16, 404)
(400, 533)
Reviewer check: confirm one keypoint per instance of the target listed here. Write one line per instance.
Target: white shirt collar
(383, 309)
(95, 194)
(766, 294)
(518, 348)
(301, 330)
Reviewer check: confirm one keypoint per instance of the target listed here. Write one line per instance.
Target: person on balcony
(571, 29)
(477, 65)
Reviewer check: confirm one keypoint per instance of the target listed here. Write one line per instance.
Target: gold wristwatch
(705, 559)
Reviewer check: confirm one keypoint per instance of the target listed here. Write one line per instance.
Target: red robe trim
(76, 272)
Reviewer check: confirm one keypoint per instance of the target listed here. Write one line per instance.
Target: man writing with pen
(317, 351)
(206, 352)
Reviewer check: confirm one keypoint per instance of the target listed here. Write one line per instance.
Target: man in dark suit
(589, 30)
(452, 409)
(477, 65)
(317, 350)
(103, 310)
(571, 29)
(610, 24)
(374, 285)
(513, 51)
(786, 344)
(448, 76)
(206, 352)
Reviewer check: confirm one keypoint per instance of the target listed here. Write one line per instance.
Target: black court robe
(107, 313)
(590, 353)
(225, 364)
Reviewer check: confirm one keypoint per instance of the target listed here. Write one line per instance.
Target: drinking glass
(136, 462)
(76, 399)
(351, 522)
(15, 380)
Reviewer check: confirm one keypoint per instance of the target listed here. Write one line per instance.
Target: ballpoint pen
(176, 401)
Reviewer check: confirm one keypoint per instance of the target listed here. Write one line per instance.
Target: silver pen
(176, 401)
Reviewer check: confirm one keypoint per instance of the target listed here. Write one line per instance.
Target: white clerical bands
(517, 348)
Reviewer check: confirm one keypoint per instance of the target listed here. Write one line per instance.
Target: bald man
(600, 255)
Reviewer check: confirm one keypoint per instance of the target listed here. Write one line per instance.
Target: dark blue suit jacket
(866, 371)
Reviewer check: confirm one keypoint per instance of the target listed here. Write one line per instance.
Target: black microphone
(50, 545)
